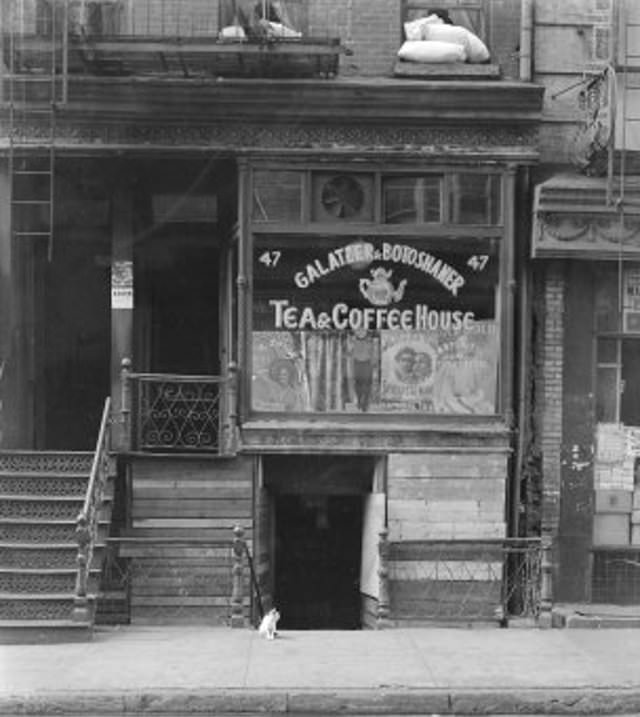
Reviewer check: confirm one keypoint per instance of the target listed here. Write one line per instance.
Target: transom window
(340, 197)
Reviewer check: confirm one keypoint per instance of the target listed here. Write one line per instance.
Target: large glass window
(375, 325)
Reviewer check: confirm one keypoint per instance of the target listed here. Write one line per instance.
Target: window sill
(446, 71)
(374, 434)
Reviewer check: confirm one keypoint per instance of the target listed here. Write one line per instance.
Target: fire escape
(36, 87)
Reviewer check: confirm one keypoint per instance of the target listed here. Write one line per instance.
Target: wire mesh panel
(465, 580)
(616, 576)
(169, 581)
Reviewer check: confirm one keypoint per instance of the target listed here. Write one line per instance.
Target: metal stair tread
(41, 596)
(44, 497)
(44, 571)
(45, 474)
(46, 546)
(44, 623)
(44, 521)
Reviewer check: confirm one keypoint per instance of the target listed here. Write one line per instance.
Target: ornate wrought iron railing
(175, 413)
(464, 580)
(88, 519)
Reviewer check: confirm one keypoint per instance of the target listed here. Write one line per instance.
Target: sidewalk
(174, 670)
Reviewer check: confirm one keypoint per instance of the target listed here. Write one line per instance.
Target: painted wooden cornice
(583, 218)
(263, 101)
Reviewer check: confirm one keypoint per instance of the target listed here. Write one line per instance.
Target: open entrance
(183, 304)
(319, 508)
(75, 339)
(177, 312)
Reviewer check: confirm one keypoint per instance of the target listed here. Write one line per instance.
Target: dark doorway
(177, 305)
(319, 503)
(318, 544)
(77, 349)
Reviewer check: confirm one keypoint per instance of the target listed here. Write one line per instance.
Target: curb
(377, 701)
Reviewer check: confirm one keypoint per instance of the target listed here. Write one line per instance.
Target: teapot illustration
(379, 290)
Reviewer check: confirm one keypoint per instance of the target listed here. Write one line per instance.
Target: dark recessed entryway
(318, 561)
(318, 538)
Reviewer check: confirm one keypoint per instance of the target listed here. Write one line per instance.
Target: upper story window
(260, 18)
(456, 23)
(469, 14)
(618, 347)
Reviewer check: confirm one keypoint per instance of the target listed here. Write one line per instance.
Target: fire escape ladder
(37, 87)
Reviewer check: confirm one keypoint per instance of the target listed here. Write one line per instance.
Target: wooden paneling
(178, 504)
(447, 496)
(461, 600)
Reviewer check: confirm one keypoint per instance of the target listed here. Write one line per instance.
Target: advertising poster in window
(375, 326)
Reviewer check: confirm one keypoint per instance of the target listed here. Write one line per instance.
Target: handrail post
(237, 596)
(81, 612)
(382, 616)
(229, 429)
(125, 404)
(546, 583)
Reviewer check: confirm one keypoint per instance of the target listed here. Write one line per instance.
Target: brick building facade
(297, 272)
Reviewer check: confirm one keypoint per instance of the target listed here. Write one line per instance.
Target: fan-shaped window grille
(342, 197)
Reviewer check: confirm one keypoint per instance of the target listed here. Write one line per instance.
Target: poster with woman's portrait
(277, 383)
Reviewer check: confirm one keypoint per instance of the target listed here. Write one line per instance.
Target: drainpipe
(526, 37)
(523, 280)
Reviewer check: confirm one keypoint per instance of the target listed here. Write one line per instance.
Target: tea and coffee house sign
(381, 290)
(368, 326)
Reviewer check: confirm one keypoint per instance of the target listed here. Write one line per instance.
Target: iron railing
(463, 580)
(164, 37)
(88, 520)
(176, 413)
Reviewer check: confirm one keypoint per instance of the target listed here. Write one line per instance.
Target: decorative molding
(278, 438)
(238, 136)
(598, 236)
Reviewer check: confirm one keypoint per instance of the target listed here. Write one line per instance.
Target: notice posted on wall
(122, 285)
(617, 447)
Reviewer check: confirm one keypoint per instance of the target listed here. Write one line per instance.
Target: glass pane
(475, 199)
(411, 200)
(606, 395)
(251, 16)
(630, 398)
(607, 351)
(606, 296)
(470, 18)
(374, 325)
(277, 196)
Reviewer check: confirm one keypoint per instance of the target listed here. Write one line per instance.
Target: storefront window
(375, 325)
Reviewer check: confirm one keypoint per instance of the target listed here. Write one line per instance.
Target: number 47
(270, 258)
(478, 261)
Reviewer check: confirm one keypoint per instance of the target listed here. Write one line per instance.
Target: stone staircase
(41, 495)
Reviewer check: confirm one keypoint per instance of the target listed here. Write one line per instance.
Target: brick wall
(551, 396)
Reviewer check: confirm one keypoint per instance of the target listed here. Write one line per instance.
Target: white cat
(268, 624)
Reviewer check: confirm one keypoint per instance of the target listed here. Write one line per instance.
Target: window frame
(502, 232)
